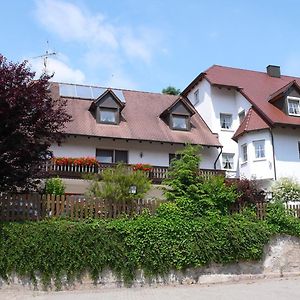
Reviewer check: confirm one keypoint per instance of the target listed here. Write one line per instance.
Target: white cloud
(105, 45)
(62, 72)
(72, 24)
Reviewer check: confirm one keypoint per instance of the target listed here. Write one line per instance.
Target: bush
(193, 194)
(117, 182)
(55, 186)
(154, 244)
(286, 189)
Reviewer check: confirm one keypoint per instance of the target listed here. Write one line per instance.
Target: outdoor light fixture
(269, 195)
(132, 189)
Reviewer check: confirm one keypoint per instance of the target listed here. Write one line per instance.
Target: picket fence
(22, 207)
(34, 207)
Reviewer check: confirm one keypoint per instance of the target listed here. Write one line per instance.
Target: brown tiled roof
(257, 87)
(140, 120)
(251, 122)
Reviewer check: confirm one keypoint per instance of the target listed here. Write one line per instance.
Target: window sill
(260, 159)
(244, 163)
(227, 130)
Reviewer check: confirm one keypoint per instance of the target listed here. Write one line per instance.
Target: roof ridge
(248, 70)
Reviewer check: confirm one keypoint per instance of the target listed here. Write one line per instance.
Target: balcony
(156, 174)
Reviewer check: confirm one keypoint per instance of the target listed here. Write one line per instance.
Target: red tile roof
(257, 87)
(140, 120)
(251, 122)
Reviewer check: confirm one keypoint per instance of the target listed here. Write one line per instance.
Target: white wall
(155, 153)
(262, 168)
(287, 158)
(215, 100)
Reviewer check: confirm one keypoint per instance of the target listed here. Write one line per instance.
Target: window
(227, 161)
(242, 116)
(259, 147)
(244, 153)
(173, 156)
(179, 122)
(226, 121)
(111, 156)
(196, 97)
(293, 106)
(108, 115)
(105, 156)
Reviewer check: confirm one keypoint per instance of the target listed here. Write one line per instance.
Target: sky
(148, 45)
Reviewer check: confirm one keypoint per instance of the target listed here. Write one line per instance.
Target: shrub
(55, 186)
(248, 191)
(286, 189)
(194, 194)
(116, 183)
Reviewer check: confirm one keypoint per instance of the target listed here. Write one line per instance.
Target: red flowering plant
(76, 161)
(142, 167)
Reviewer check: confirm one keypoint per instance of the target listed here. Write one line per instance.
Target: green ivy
(152, 243)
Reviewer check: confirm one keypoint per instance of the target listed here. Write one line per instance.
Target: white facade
(281, 148)
(287, 152)
(214, 101)
(155, 153)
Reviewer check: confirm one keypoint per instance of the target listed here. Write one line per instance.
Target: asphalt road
(266, 289)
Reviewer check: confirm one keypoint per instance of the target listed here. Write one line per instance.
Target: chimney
(273, 71)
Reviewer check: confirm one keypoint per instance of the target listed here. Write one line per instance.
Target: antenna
(45, 56)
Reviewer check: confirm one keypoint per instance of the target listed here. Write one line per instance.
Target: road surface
(266, 289)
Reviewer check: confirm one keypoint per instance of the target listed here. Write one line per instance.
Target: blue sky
(148, 45)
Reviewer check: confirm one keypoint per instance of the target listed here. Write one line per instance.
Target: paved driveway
(266, 289)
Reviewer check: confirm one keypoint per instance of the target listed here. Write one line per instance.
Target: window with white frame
(227, 161)
(259, 147)
(293, 106)
(196, 97)
(244, 153)
(225, 121)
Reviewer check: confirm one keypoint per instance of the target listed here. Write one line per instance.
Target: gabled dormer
(107, 108)
(178, 115)
(287, 99)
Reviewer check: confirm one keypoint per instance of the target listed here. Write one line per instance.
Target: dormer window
(107, 108)
(180, 122)
(293, 106)
(108, 115)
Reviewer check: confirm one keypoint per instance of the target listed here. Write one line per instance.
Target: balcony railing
(157, 173)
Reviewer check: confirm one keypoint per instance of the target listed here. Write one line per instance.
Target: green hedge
(155, 244)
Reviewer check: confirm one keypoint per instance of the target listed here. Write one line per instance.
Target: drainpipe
(215, 163)
(274, 165)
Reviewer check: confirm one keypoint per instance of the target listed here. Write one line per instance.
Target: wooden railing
(33, 207)
(157, 173)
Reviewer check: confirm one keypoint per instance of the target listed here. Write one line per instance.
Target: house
(116, 125)
(256, 116)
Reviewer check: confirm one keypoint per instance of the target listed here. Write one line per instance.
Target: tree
(117, 182)
(171, 90)
(192, 193)
(30, 121)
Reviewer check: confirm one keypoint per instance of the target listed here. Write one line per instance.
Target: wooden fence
(21, 207)
(261, 209)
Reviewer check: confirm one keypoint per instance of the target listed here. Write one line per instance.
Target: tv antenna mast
(46, 56)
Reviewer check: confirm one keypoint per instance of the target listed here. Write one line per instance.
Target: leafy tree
(30, 121)
(191, 192)
(116, 183)
(171, 90)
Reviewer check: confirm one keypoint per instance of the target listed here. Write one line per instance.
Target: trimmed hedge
(155, 244)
